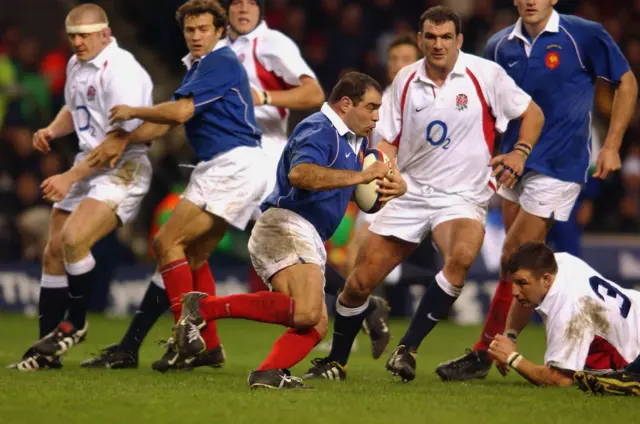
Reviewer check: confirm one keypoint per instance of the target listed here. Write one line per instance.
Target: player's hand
(508, 168)
(121, 113)
(608, 161)
(501, 347)
(41, 139)
(55, 188)
(503, 368)
(110, 150)
(376, 171)
(393, 185)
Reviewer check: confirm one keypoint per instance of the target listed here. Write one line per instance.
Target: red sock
(291, 348)
(497, 317)
(274, 308)
(203, 282)
(177, 282)
(255, 282)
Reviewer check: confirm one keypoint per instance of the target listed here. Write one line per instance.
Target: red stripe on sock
(497, 317)
(290, 348)
(177, 282)
(203, 282)
(274, 308)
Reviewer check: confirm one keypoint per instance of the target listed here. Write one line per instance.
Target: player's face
(362, 118)
(534, 12)
(87, 46)
(399, 57)
(200, 34)
(244, 15)
(529, 290)
(439, 44)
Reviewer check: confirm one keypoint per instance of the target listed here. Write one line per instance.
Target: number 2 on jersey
(87, 126)
(613, 292)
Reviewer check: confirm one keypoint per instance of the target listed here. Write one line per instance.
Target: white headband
(86, 29)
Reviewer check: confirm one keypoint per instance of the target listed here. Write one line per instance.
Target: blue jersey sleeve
(209, 83)
(315, 148)
(603, 56)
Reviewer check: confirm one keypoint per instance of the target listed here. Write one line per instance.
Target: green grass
(371, 395)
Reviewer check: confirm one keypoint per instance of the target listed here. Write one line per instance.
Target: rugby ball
(366, 196)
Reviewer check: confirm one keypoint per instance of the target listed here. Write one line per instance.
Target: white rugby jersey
(375, 134)
(582, 304)
(445, 134)
(273, 62)
(92, 88)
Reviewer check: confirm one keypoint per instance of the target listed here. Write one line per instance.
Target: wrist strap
(514, 359)
(266, 99)
(512, 334)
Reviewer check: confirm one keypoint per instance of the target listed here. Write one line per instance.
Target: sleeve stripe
(337, 150)
(403, 99)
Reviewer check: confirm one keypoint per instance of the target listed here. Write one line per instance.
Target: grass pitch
(370, 395)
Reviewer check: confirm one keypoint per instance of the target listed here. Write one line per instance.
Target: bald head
(87, 14)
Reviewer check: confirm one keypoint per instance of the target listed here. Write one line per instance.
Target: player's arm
(603, 59)
(389, 149)
(518, 318)
(509, 102)
(307, 95)
(503, 349)
(61, 125)
(314, 177)
(173, 112)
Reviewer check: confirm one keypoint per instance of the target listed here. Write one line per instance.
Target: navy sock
(434, 306)
(634, 367)
(347, 324)
(52, 306)
(154, 303)
(80, 286)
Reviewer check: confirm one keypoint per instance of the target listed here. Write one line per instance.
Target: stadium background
(334, 36)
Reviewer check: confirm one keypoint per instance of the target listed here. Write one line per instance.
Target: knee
(507, 250)
(160, 244)
(322, 327)
(461, 259)
(53, 253)
(307, 317)
(70, 241)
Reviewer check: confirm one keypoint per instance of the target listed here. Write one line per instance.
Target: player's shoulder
(71, 63)
(483, 69)
(499, 36)
(579, 25)
(221, 58)
(123, 62)
(405, 74)
(271, 40)
(314, 124)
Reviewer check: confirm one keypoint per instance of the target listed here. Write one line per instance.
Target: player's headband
(86, 29)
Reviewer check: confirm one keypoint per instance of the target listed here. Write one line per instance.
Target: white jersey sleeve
(389, 127)
(280, 55)
(128, 84)
(506, 99)
(569, 336)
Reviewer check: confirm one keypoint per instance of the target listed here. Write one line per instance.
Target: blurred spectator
(630, 204)
(54, 68)
(36, 101)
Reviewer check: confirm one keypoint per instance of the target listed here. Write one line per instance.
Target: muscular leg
(90, 221)
(54, 291)
(377, 257)
(459, 241)
(186, 224)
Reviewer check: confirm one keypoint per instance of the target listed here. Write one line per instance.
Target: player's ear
(419, 39)
(345, 102)
(219, 32)
(459, 40)
(546, 280)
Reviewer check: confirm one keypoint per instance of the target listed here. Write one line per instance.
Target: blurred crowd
(334, 36)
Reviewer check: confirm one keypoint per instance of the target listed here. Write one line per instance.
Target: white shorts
(121, 188)
(272, 149)
(543, 196)
(412, 216)
(281, 238)
(230, 185)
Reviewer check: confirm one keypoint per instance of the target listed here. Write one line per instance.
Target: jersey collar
(341, 127)
(553, 25)
(189, 60)
(459, 69)
(105, 54)
(257, 31)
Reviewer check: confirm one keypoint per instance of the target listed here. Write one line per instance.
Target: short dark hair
(535, 257)
(353, 85)
(199, 7)
(404, 40)
(439, 15)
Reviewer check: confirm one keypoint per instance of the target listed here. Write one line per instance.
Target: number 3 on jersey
(597, 282)
(437, 134)
(84, 122)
